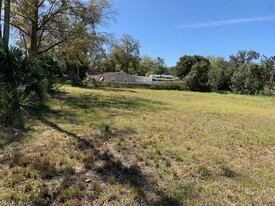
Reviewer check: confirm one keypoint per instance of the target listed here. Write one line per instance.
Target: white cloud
(227, 22)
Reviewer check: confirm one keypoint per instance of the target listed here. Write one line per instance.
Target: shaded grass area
(7, 136)
(141, 147)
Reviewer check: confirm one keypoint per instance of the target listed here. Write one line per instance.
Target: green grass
(142, 147)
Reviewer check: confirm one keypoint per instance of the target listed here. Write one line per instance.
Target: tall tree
(146, 66)
(6, 35)
(1, 1)
(243, 57)
(150, 66)
(125, 55)
(219, 73)
(74, 57)
(44, 24)
(197, 78)
(160, 66)
(185, 64)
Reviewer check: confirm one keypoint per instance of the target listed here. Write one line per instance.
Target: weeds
(227, 171)
(72, 193)
(204, 172)
(96, 191)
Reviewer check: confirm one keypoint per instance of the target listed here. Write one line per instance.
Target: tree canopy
(45, 24)
(185, 64)
(124, 55)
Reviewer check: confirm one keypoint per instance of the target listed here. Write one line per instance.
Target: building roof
(161, 76)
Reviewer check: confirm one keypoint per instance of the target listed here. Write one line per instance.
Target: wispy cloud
(227, 22)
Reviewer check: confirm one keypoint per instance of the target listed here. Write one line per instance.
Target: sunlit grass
(142, 147)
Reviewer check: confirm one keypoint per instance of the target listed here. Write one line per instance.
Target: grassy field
(142, 147)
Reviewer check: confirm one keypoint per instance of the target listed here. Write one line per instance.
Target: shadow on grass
(112, 168)
(8, 135)
(81, 102)
(124, 175)
(105, 88)
(91, 101)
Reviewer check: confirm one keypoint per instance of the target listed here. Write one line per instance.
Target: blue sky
(173, 28)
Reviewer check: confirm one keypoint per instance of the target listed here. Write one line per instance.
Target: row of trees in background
(124, 56)
(247, 72)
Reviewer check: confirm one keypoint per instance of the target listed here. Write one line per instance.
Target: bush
(22, 85)
(180, 85)
(253, 79)
(267, 91)
(219, 74)
(11, 105)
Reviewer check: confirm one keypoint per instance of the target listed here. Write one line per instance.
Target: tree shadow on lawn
(112, 167)
(113, 89)
(92, 101)
(9, 135)
(82, 103)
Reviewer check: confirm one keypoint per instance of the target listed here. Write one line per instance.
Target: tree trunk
(77, 74)
(1, 23)
(34, 29)
(6, 35)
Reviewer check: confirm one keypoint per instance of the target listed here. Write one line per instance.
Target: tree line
(247, 72)
(124, 55)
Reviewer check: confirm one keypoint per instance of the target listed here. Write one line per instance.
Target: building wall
(143, 79)
(119, 77)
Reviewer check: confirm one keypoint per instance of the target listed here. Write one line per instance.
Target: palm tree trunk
(6, 35)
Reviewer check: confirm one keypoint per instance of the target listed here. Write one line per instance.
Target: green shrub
(22, 85)
(180, 85)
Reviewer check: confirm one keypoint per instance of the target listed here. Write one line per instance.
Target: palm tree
(23, 85)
